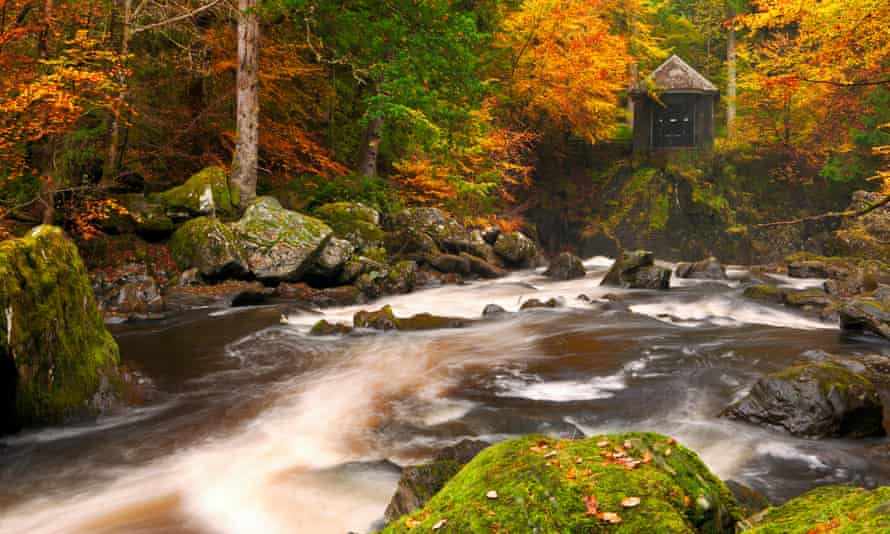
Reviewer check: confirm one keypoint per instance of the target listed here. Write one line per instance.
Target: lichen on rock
(205, 193)
(210, 246)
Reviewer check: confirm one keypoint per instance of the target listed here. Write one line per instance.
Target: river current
(258, 427)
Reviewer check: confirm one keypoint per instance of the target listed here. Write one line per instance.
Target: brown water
(261, 428)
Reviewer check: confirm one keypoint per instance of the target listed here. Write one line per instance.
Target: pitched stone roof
(676, 75)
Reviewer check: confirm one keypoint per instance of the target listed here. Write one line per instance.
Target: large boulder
(834, 509)
(444, 230)
(637, 270)
(766, 293)
(205, 193)
(866, 315)
(707, 269)
(56, 357)
(566, 266)
(399, 279)
(419, 483)
(280, 244)
(813, 400)
(637, 482)
(516, 249)
(210, 246)
(357, 223)
(331, 260)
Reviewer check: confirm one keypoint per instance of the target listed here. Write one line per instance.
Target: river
(258, 427)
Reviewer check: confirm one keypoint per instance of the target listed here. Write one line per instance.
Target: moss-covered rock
(866, 315)
(516, 249)
(205, 193)
(540, 484)
(483, 268)
(55, 353)
(280, 244)
(357, 223)
(835, 509)
(802, 298)
(765, 293)
(409, 241)
(450, 263)
(144, 216)
(865, 236)
(325, 328)
(814, 400)
(566, 266)
(385, 319)
(445, 231)
(532, 304)
(210, 246)
(636, 269)
(330, 261)
(398, 279)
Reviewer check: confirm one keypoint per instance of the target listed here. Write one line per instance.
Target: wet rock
(516, 249)
(866, 315)
(385, 319)
(445, 231)
(566, 266)
(321, 298)
(515, 469)
(531, 304)
(707, 269)
(816, 269)
(399, 279)
(409, 241)
(189, 277)
(493, 309)
(280, 244)
(750, 501)
(483, 268)
(254, 295)
(419, 483)
(490, 234)
(450, 263)
(637, 270)
(813, 400)
(211, 247)
(330, 261)
(55, 353)
(802, 298)
(205, 193)
(357, 266)
(766, 293)
(324, 328)
(141, 296)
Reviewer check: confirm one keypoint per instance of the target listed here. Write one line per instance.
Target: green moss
(830, 376)
(210, 246)
(191, 198)
(835, 509)
(765, 293)
(541, 487)
(354, 222)
(324, 328)
(50, 327)
(385, 319)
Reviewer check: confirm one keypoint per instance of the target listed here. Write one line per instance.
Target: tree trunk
(244, 167)
(113, 161)
(730, 80)
(633, 74)
(367, 159)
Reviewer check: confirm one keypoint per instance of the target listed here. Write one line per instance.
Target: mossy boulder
(807, 298)
(566, 266)
(325, 328)
(144, 216)
(210, 246)
(409, 241)
(385, 319)
(636, 269)
(280, 244)
(866, 315)
(398, 279)
(835, 509)
(205, 193)
(766, 293)
(56, 357)
(357, 266)
(814, 400)
(516, 249)
(444, 230)
(330, 261)
(450, 263)
(354, 222)
(709, 268)
(483, 268)
(540, 484)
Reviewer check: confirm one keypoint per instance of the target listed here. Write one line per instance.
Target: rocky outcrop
(205, 193)
(354, 222)
(516, 249)
(448, 234)
(813, 400)
(836, 509)
(766, 293)
(866, 315)
(566, 266)
(385, 319)
(645, 482)
(707, 269)
(866, 236)
(56, 357)
(419, 483)
(637, 270)
(211, 247)
(280, 244)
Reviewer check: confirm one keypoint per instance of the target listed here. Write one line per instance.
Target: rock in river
(566, 266)
(814, 400)
(637, 270)
(706, 269)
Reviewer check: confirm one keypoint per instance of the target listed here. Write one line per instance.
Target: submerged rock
(493, 309)
(566, 266)
(56, 357)
(385, 319)
(211, 247)
(531, 304)
(866, 315)
(516, 249)
(814, 400)
(707, 269)
(637, 270)
(280, 244)
(835, 509)
(541, 486)
(419, 483)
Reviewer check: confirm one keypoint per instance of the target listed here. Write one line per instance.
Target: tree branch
(831, 215)
(176, 19)
(847, 84)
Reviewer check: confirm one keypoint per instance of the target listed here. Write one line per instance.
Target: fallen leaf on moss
(411, 523)
(439, 524)
(570, 474)
(647, 457)
(610, 517)
(492, 494)
(630, 502)
(667, 452)
(687, 502)
(602, 444)
(592, 504)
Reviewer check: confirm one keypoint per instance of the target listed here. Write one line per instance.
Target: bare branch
(176, 19)
(830, 215)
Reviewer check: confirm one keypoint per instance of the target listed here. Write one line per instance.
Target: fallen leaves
(591, 505)
(439, 524)
(492, 494)
(630, 502)
(610, 517)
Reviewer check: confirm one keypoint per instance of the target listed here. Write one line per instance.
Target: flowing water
(260, 428)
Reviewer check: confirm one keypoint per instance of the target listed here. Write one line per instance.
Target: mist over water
(261, 428)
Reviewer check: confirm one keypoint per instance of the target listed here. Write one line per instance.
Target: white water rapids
(286, 463)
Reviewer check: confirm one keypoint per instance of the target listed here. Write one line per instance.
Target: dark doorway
(673, 124)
